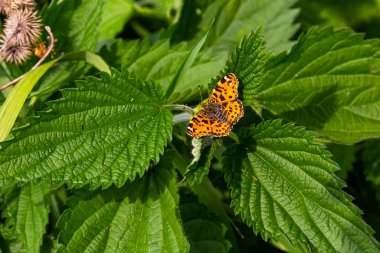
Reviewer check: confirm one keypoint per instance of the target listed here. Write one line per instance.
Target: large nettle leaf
(329, 82)
(142, 216)
(105, 131)
(283, 184)
(248, 63)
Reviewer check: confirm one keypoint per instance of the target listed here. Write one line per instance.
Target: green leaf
(142, 216)
(282, 184)
(248, 65)
(90, 58)
(27, 216)
(2, 98)
(329, 83)
(186, 27)
(189, 60)
(17, 96)
(78, 23)
(204, 230)
(162, 9)
(105, 131)
(203, 152)
(116, 13)
(237, 18)
(212, 61)
(130, 51)
(162, 62)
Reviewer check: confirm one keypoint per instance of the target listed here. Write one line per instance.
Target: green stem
(176, 107)
(142, 31)
(284, 244)
(180, 118)
(234, 137)
(55, 212)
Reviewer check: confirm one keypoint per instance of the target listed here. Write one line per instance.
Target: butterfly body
(216, 111)
(221, 111)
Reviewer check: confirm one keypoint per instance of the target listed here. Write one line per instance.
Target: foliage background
(97, 168)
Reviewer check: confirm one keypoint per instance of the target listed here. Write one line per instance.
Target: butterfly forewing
(226, 90)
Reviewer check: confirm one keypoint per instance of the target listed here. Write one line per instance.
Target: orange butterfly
(221, 111)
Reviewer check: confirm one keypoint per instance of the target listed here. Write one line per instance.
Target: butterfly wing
(201, 125)
(226, 89)
(220, 128)
(223, 96)
(234, 111)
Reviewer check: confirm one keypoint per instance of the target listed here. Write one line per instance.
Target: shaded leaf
(186, 27)
(371, 159)
(282, 184)
(27, 216)
(116, 13)
(2, 98)
(105, 131)
(77, 22)
(205, 232)
(344, 155)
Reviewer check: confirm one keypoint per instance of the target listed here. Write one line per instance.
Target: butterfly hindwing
(199, 125)
(219, 128)
(234, 111)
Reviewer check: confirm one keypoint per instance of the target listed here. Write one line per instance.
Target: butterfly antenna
(200, 92)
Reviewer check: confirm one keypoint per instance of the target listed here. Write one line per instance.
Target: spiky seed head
(8, 6)
(24, 26)
(14, 53)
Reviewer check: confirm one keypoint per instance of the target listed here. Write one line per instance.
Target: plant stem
(176, 107)
(182, 117)
(141, 30)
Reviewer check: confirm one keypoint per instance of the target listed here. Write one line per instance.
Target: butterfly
(221, 111)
